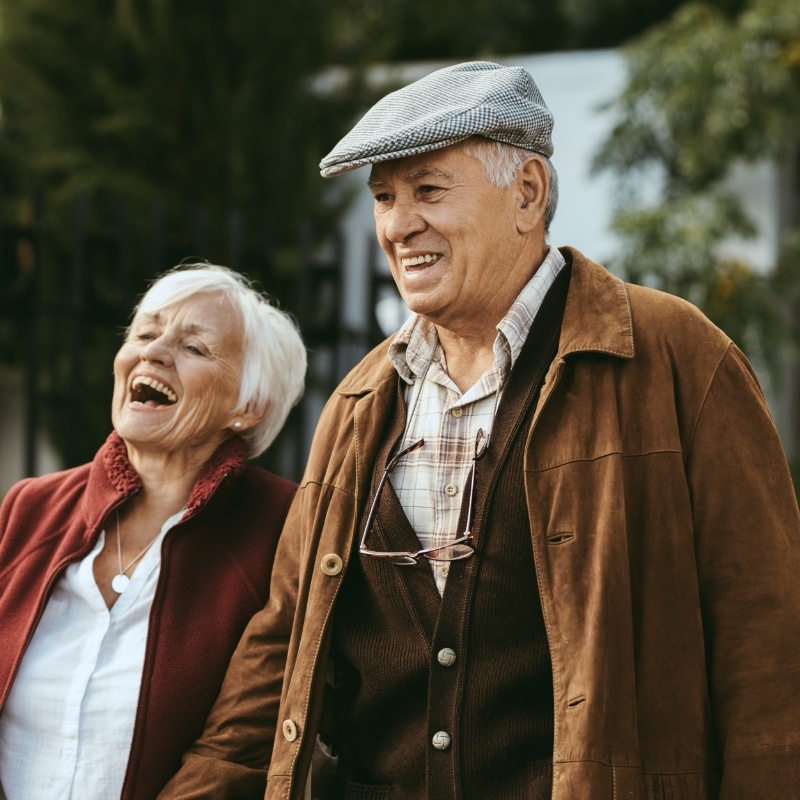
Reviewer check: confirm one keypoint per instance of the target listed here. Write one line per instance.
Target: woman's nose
(157, 351)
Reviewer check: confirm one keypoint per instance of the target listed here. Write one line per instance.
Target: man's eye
(429, 190)
(383, 197)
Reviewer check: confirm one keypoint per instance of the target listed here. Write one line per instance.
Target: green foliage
(392, 30)
(704, 88)
(705, 91)
(199, 115)
(208, 104)
(674, 246)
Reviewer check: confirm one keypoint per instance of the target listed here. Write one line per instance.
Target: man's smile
(414, 261)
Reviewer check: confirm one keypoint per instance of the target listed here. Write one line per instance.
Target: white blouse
(67, 727)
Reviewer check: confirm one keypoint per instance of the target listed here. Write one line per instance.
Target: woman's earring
(237, 424)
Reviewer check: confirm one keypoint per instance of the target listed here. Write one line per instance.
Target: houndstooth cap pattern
(477, 98)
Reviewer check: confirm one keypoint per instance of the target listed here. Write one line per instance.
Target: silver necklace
(120, 581)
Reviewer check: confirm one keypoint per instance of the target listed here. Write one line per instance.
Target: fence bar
(31, 324)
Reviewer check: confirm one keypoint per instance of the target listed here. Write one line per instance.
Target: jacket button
(441, 740)
(446, 656)
(331, 564)
(289, 730)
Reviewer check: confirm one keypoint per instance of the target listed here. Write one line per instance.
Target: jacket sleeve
(230, 759)
(747, 530)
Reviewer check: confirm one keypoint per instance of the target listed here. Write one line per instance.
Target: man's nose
(401, 221)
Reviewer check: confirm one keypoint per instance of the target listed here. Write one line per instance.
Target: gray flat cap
(478, 98)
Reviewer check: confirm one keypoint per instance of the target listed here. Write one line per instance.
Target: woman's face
(176, 377)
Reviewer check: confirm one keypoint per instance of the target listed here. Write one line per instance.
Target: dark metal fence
(71, 274)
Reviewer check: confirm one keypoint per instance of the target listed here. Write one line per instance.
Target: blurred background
(136, 133)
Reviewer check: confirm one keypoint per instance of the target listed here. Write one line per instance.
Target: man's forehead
(439, 163)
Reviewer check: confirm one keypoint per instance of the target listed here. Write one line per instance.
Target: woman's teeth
(156, 385)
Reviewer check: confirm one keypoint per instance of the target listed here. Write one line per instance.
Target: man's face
(449, 235)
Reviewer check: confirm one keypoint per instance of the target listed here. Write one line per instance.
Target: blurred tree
(220, 111)
(397, 30)
(706, 91)
(208, 102)
(155, 120)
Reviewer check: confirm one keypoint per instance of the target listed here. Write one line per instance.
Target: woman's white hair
(501, 162)
(273, 357)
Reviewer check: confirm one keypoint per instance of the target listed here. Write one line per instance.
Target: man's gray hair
(501, 162)
(273, 356)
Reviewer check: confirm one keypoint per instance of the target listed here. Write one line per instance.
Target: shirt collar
(416, 343)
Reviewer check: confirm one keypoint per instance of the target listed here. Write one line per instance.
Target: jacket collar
(597, 318)
(112, 478)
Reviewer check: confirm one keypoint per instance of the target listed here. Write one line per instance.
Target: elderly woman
(126, 583)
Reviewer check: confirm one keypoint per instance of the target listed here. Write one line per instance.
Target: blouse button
(331, 564)
(457, 412)
(451, 490)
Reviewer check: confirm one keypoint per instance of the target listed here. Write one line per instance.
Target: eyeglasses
(453, 551)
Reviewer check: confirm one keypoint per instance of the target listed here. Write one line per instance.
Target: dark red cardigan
(215, 570)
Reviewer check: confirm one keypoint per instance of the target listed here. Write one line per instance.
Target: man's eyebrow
(423, 172)
(416, 174)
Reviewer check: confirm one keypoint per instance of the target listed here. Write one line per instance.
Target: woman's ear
(245, 420)
(533, 185)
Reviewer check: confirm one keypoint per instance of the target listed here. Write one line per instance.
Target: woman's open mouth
(151, 392)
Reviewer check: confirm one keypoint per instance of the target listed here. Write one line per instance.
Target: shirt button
(331, 564)
(443, 569)
(457, 412)
(451, 489)
(289, 730)
(446, 656)
(441, 740)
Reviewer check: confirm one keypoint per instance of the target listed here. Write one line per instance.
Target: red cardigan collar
(112, 478)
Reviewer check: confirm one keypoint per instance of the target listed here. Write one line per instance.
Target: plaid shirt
(430, 481)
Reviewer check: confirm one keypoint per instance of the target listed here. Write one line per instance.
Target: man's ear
(533, 186)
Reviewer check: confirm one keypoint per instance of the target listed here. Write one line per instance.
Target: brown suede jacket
(666, 541)
(215, 568)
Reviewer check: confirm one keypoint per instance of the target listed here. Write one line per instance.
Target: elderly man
(546, 545)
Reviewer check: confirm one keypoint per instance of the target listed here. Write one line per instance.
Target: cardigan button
(289, 730)
(446, 656)
(441, 740)
(331, 564)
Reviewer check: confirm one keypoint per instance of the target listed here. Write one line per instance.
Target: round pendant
(119, 583)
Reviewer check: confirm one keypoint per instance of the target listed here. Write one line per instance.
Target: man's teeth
(157, 385)
(416, 260)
